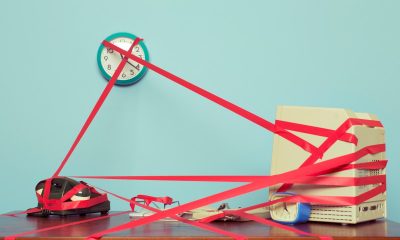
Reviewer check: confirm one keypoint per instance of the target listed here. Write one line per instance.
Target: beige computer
(287, 156)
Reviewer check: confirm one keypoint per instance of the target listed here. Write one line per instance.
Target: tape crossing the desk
(194, 223)
(201, 222)
(308, 172)
(256, 185)
(14, 236)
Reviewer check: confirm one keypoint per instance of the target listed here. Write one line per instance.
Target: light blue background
(258, 54)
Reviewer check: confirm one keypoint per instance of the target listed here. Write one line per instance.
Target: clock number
(132, 72)
(137, 48)
(105, 58)
(137, 67)
(109, 50)
(123, 75)
(109, 66)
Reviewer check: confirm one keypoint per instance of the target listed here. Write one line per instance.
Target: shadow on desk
(380, 229)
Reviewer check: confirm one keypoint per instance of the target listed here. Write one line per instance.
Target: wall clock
(289, 212)
(108, 59)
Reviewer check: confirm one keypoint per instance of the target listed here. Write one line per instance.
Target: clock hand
(127, 61)
(286, 207)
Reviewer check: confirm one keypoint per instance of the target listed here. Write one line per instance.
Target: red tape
(306, 174)
(278, 225)
(181, 219)
(330, 141)
(308, 170)
(13, 237)
(317, 131)
(315, 152)
(218, 100)
(231, 178)
(63, 203)
(96, 108)
(31, 210)
(149, 199)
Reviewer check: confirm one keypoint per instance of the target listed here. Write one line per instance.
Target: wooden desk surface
(381, 229)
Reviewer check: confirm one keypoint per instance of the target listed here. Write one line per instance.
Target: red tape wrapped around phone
(63, 203)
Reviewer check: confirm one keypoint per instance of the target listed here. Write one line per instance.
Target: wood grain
(380, 229)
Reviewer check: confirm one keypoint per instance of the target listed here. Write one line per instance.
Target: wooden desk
(381, 229)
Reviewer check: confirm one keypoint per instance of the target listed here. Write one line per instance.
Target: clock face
(108, 59)
(284, 211)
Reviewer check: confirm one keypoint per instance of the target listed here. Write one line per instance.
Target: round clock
(108, 59)
(289, 212)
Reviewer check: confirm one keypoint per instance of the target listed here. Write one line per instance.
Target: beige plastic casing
(287, 156)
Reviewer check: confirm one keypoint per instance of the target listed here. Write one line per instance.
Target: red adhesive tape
(278, 225)
(32, 210)
(317, 131)
(340, 131)
(315, 152)
(96, 108)
(232, 178)
(181, 219)
(218, 100)
(15, 236)
(63, 203)
(306, 174)
(280, 178)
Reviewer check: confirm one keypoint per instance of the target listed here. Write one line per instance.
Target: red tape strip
(278, 225)
(197, 224)
(96, 108)
(218, 100)
(211, 178)
(13, 237)
(208, 95)
(330, 141)
(318, 131)
(308, 170)
(63, 203)
(309, 167)
(32, 210)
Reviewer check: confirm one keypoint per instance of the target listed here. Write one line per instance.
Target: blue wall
(258, 55)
